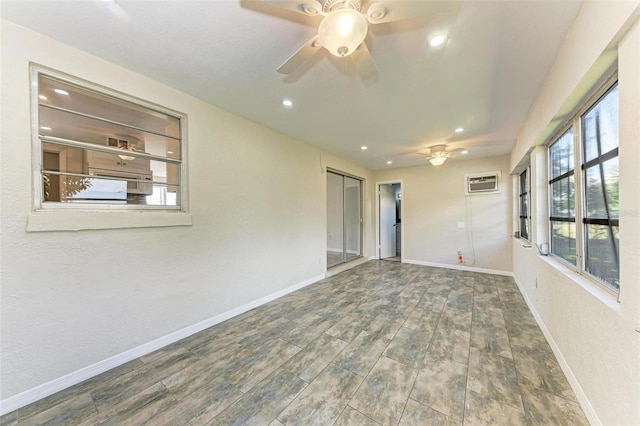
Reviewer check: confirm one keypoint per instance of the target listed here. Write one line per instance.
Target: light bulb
(438, 161)
(342, 31)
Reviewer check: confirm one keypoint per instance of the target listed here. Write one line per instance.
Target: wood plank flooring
(384, 343)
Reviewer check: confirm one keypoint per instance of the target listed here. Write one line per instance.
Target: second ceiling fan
(344, 27)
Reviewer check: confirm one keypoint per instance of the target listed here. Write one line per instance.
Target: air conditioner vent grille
(482, 183)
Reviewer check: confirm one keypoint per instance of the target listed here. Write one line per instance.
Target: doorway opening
(390, 221)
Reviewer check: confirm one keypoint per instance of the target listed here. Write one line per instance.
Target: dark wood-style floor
(384, 343)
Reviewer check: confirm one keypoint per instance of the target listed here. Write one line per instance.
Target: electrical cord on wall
(470, 231)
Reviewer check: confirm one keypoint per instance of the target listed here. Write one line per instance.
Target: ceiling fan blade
(456, 152)
(390, 11)
(306, 7)
(363, 61)
(302, 55)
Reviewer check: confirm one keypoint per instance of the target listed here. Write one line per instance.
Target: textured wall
(72, 299)
(594, 333)
(433, 203)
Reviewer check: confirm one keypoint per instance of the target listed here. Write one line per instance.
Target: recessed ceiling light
(169, 152)
(389, 162)
(42, 97)
(45, 128)
(464, 152)
(287, 102)
(61, 92)
(364, 148)
(437, 40)
(459, 130)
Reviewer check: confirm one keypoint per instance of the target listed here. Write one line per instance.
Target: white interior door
(387, 221)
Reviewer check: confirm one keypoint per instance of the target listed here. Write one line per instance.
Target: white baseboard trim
(42, 391)
(459, 267)
(584, 402)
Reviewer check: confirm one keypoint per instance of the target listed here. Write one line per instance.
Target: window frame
(550, 181)
(584, 166)
(524, 196)
(37, 140)
(578, 172)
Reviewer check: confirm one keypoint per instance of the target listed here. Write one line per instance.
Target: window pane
(563, 240)
(71, 97)
(600, 126)
(602, 244)
(61, 124)
(524, 208)
(562, 198)
(561, 155)
(594, 194)
(524, 227)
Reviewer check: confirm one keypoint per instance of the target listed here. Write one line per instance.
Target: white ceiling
(485, 78)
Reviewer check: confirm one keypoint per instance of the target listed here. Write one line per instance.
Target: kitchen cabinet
(107, 161)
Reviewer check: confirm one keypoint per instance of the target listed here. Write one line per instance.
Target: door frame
(402, 209)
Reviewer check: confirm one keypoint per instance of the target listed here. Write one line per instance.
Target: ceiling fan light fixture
(438, 160)
(342, 31)
(437, 40)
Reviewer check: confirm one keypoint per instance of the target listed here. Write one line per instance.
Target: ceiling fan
(438, 154)
(344, 27)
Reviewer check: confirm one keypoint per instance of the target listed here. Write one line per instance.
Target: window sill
(607, 297)
(523, 242)
(60, 220)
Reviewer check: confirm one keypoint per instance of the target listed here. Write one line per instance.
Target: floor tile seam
(309, 384)
(519, 376)
(532, 389)
(364, 379)
(114, 407)
(490, 397)
(429, 407)
(512, 362)
(188, 395)
(20, 418)
(413, 384)
(466, 384)
(435, 329)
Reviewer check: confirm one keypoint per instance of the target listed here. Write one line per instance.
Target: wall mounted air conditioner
(482, 183)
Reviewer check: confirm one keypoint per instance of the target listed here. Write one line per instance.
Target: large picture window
(592, 200)
(100, 149)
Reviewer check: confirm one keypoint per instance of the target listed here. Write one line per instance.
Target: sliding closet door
(352, 215)
(344, 213)
(335, 223)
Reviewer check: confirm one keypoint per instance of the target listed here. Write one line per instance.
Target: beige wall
(433, 202)
(594, 336)
(71, 300)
